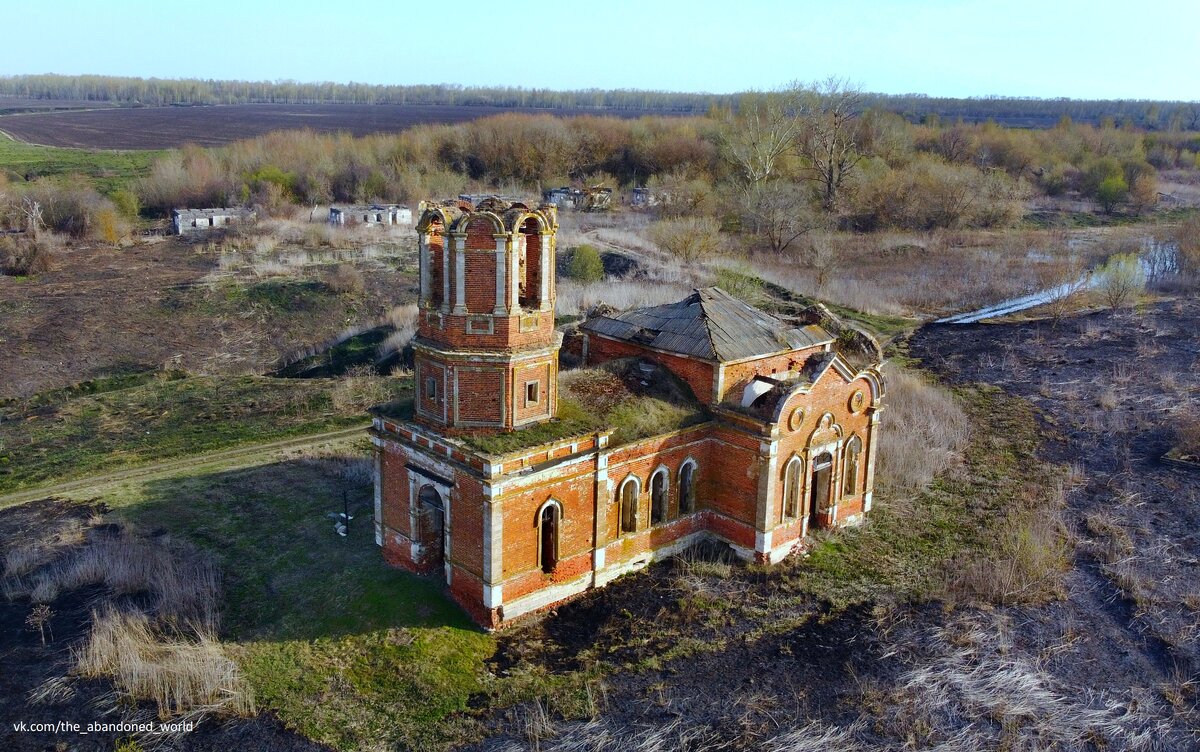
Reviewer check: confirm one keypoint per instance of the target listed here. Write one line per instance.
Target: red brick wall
(481, 280)
(394, 479)
(737, 375)
(480, 393)
(466, 524)
(541, 373)
(735, 465)
(574, 489)
(698, 374)
(506, 336)
(641, 459)
(831, 394)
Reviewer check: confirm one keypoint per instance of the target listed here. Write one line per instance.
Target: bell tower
(486, 352)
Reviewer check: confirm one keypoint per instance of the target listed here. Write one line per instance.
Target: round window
(795, 419)
(857, 401)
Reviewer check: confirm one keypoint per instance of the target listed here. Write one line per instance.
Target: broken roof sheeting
(711, 324)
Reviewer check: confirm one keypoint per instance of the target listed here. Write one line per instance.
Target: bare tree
(764, 129)
(828, 141)
(32, 211)
(779, 211)
(38, 619)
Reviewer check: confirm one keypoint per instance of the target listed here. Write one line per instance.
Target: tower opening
(529, 265)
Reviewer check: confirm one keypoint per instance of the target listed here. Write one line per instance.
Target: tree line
(917, 108)
(775, 171)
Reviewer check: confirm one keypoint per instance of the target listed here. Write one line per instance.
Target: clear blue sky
(1046, 48)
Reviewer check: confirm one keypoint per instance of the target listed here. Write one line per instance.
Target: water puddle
(1158, 260)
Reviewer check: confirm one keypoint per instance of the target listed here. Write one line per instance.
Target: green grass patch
(108, 171)
(268, 298)
(616, 396)
(139, 418)
(342, 647)
(572, 420)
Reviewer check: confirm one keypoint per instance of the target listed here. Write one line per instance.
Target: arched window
(853, 453)
(549, 521)
(628, 497)
(658, 495)
(687, 487)
(793, 472)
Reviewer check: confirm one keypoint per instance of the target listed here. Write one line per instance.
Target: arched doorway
(822, 471)
(432, 521)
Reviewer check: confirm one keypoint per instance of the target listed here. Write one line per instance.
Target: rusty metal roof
(711, 324)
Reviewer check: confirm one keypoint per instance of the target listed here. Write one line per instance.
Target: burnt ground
(1109, 387)
(103, 310)
(28, 668)
(1112, 665)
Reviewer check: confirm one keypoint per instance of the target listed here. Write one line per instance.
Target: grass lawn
(108, 170)
(126, 420)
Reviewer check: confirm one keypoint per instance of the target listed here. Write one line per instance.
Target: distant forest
(917, 108)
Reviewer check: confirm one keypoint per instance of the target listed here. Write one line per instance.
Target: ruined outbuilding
(522, 488)
(191, 221)
(371, 214)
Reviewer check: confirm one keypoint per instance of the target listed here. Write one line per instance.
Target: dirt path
(226, 459)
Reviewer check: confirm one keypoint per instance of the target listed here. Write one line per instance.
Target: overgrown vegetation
(153, 631)
(67, 434)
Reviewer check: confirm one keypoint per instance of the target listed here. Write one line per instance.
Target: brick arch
(481, 229)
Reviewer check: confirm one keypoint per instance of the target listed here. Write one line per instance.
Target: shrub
(1111, 191)
(347, 280)
(24, 255)
(126, 202)
(688, 238)
(404, 320)
(1121, 280)
(586, 265)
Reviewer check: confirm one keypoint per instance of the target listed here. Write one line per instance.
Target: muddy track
(225, 459)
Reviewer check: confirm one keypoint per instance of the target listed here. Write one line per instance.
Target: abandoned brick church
(705, 418)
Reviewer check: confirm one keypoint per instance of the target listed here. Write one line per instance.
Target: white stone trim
(378, 494)
(544, 273)
(501, 254)
(547, 596)
(460, 272)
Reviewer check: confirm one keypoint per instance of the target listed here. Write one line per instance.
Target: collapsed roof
(710, 324)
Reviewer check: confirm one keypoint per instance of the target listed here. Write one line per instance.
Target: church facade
(482, 482)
